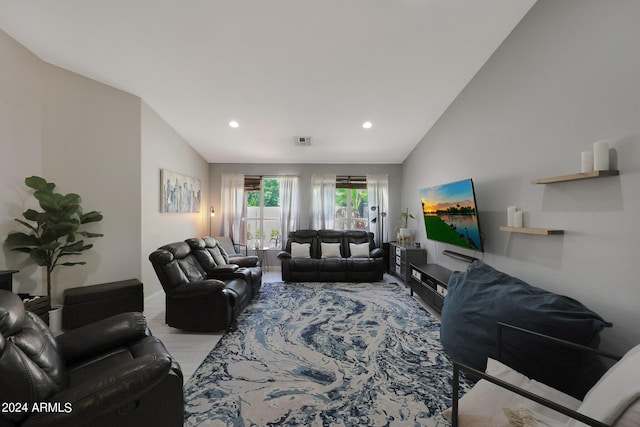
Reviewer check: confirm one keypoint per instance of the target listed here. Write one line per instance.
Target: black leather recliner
(198, 300)
(216, 260)
(108, 373)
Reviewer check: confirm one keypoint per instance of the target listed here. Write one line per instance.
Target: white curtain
(323, 201)
(378, 196)
(289, 202)
(232, 199)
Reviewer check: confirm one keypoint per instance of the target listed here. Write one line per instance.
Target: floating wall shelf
(576, 176)
(530, 230)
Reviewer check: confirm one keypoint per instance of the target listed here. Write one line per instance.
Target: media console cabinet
(400, 258)
(429, 281)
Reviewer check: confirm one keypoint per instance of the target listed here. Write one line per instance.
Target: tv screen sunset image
(450, 214)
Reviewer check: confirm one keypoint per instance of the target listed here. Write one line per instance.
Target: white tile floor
(190, 348)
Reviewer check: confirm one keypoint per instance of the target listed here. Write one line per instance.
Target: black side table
(6, 279)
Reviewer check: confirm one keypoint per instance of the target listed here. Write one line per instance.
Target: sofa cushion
(359, 250)
(300, 250)
(616, 397)
(482, 296)
(330, 250)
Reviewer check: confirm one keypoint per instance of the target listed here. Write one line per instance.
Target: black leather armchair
(195, 299)
(219, 264)
(107, 373)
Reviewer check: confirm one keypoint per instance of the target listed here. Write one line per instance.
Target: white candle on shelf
(510, 211)
(601, 155)
(518, 219)
(587, 161)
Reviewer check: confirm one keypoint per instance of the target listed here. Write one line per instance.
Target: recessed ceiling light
(367, 125)
(234, 124)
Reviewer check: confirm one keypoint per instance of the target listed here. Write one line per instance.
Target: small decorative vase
(406, 232)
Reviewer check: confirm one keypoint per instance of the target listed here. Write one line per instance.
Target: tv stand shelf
(575, 176)
(430, 282)
(531, 230)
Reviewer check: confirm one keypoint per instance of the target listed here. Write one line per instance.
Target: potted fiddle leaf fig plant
(56, 233)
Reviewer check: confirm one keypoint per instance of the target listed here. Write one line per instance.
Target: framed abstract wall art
(179, 193)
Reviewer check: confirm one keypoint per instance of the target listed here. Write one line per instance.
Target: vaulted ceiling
(279, 68)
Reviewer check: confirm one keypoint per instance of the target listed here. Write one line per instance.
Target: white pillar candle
(601, 155)
(518, 219)
(587, 161)
(510, 211)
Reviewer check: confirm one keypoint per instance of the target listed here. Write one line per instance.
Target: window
(352, 209)
(262, 212)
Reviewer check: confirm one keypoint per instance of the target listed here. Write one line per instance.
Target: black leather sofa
(203, 291)
(108, 373)
(337, 263)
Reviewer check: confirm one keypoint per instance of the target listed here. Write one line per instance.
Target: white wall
(566, 77)
(21, 142)
(164, 148)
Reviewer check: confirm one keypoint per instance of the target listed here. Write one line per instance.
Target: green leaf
(51, 246)
(69, 264)
(75, 247)
(40, 257)
(31, 215)
(22, 240)
(48, 201)
(25, 250)
(70, 199)
(92, 216)
(38, 183)
(88, 234)
(26, 224)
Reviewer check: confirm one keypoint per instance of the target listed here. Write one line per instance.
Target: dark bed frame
(459, 367)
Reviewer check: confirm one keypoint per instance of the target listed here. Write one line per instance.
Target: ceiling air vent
(302, 141)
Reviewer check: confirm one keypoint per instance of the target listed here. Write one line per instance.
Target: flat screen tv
(450, 214)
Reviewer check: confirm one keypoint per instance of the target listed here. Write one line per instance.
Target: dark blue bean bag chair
(481, 296)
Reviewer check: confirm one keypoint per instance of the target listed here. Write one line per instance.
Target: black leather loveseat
(108, 373)
(204, 292)
(331, 256)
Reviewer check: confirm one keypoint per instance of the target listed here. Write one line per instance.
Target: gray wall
(88, 138)
(566, 77)
(163, 148)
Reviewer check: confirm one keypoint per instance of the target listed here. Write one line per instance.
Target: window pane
(253, 228)
(263, 213)
(253, 198)
(360, 210)
(271, 188)
(352, 209)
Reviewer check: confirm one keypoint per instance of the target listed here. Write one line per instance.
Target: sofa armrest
(244, 261)
(284, 255)
(113, 388)
(197, 289)
(102, 335)
(377, 253)
(225, 269)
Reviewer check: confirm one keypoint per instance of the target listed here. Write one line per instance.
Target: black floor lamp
(382, 215)
(212, 213)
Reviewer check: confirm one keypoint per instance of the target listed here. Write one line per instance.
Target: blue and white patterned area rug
(325, 354)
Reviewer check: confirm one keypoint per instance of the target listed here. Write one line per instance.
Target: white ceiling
(281, 68)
